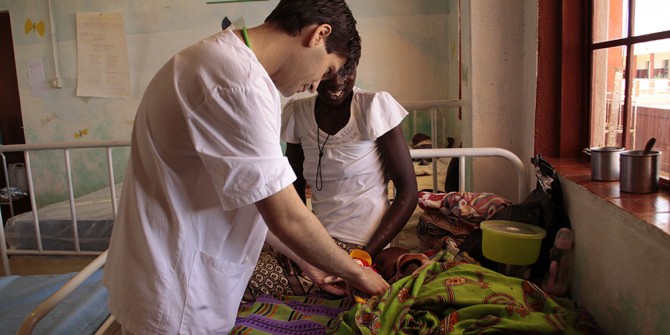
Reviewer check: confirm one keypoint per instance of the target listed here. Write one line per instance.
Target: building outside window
(630, 88)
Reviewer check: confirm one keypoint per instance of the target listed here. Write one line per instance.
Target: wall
(621, 268)
(503, 81)
(408, 50)
(404, 52)
(621, 265)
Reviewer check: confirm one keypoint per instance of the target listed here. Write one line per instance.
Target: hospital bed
(78, 226)
(93, 270)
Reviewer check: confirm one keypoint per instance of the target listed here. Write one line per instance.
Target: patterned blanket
(442, 297)
(467, 207)
(293, 315)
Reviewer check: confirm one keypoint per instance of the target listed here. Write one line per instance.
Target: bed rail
(66, 148)
(434, 107)
(47, 305)
(463, 153)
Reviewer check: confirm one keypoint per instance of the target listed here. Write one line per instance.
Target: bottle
(558, 277)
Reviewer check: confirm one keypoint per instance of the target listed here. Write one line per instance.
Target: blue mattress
(82, 312)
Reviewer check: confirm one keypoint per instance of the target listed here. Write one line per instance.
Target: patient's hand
(327, 282)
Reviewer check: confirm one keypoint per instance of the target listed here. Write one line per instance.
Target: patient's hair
(292, 15)
(420, 137)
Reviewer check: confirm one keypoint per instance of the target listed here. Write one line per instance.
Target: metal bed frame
(46, 306)
(66, 148)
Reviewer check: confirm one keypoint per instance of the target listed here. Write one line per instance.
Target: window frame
(563, 111)
(627, 41)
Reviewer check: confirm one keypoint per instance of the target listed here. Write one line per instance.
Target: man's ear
(319, 34)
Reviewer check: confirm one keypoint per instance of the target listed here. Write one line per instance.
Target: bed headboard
(440, 119)
(65, 149)
(463, 153)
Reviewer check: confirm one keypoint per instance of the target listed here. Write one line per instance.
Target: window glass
(607, 97)
(650, 99)
(630, 93)
(651, 16)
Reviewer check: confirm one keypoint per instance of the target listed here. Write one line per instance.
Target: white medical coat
(205, 148)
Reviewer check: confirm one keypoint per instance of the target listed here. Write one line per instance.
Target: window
(662, 70)
(630, 88)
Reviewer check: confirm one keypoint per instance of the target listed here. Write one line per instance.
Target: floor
(34, 265)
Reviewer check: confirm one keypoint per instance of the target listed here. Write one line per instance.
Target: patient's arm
(301, 232)
(399, 168)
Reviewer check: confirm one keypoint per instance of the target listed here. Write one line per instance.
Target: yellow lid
(513, 229)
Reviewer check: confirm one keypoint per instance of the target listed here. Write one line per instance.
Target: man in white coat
(207, 178)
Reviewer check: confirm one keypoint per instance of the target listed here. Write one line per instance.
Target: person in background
(346, 143)
(207, 178)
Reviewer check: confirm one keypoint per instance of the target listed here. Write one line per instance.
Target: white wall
(622, 265)
(503, 83)
(405, 52)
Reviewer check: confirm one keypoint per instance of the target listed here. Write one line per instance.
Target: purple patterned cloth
(294, 315)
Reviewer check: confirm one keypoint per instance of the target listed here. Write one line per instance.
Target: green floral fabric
(447, 296)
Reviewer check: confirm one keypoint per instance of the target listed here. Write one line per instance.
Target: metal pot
(605, 163)
(639, 171)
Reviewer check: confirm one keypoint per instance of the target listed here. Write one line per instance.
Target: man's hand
(368, 281)
(329, 283)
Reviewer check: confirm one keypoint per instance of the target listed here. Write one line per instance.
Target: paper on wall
(102, 56)
(38, 81)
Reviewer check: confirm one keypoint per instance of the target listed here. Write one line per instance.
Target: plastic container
(363, 259)
(557, 280)
(17, 176)
(511, 242)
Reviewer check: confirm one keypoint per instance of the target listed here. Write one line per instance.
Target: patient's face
(335, 90)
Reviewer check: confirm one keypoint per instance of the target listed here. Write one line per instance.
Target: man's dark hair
(291, 16)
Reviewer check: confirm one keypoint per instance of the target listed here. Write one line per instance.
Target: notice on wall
(38, 80)
(102, 56)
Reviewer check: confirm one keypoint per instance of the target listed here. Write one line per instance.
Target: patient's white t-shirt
(354, 195)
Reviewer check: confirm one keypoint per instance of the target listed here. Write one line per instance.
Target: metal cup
(639, 171)
(605, 163)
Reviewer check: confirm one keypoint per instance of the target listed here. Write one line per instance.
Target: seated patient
(346, 143)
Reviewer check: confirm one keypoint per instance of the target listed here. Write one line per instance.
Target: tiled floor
(651, 207)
